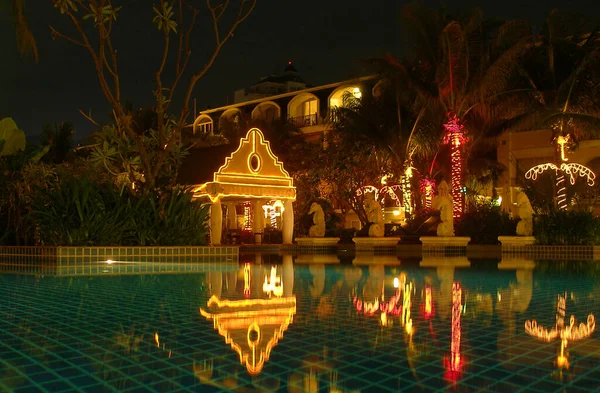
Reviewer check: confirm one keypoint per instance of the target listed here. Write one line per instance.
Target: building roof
(290, 74)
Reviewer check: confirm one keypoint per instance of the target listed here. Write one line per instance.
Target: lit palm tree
(563, 72)
(390, 120)
(463, 71)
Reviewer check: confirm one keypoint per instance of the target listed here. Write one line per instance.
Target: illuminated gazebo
(253, 177)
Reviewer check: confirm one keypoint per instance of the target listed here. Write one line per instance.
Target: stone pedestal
(456, 241)
(370, 244)
(317, 241)
(310, 245)
(516, 241)
(445, 244)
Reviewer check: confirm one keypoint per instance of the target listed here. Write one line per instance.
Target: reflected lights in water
(566, 333)
(455, 363)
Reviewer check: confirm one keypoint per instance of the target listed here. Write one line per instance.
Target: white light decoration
(406, 191)
(273, 284)
(384, 192)
(566, 333)
(565, 169)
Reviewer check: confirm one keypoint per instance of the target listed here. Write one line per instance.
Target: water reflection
(566, 333)
(254, 325)
(277, 324)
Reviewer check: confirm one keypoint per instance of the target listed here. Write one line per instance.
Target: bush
(485, 223)
(81, 212)
(572, 227)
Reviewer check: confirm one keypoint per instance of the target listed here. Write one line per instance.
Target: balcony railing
(305, 121)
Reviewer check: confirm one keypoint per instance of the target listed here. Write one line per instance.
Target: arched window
(303, 110)
(203, 125)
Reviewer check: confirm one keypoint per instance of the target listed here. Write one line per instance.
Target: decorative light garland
(566, 333)
(572, 170)
(406, 191)
(247, 206)
(273, 284)
(246, 280)
(455, 137)
(385, 190)
(455, 363)
(427, 186)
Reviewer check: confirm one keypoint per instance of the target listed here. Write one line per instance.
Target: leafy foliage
(484, 222)
(151, 150)
(12, 139)
(59, 138)
(81, 212)
(571, 227)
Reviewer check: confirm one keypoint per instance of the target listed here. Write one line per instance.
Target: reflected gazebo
(253, 326)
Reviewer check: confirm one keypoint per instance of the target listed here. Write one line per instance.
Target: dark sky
(324, 38)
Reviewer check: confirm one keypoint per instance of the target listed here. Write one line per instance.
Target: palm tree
(461, 69)
(59, 136)
(25, 41)
(563, 73)
(390, 121)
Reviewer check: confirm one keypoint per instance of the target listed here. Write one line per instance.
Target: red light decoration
(455, 136)
(427, 186)
(455, 363)
(428, 311)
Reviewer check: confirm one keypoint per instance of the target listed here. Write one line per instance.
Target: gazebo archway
(251, 173)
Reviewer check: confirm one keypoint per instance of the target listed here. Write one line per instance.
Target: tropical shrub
(571, 227)
(484, 223)
(169, 219)
(81, 212)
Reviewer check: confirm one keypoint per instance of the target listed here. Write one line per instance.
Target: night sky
(324, 38)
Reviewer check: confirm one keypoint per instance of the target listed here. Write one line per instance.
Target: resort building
(284, 96)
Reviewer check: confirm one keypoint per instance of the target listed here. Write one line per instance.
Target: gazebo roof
(250, 172)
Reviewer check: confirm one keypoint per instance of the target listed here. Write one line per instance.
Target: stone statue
(525, 213)
(374, 215)
(443, 203)
(318, 227)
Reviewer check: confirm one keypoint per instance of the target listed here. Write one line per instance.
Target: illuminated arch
(232, 115)
(303, 109)
(267, 111)
(203, 124)
(337, 96)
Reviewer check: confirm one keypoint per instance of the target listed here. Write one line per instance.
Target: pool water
(274, 325)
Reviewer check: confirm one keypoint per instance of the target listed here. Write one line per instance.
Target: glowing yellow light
(110, 261)
(562, 141)
(406, 319)
(396, 282)
(253, 327)
(570, 332)
(247, 279)
(156, 340)
(251, 171)
(273, 285)
(356, 93)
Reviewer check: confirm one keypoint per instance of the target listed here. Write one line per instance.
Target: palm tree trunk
(455, 136)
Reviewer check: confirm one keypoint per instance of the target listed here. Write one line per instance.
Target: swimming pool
(436, 324)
